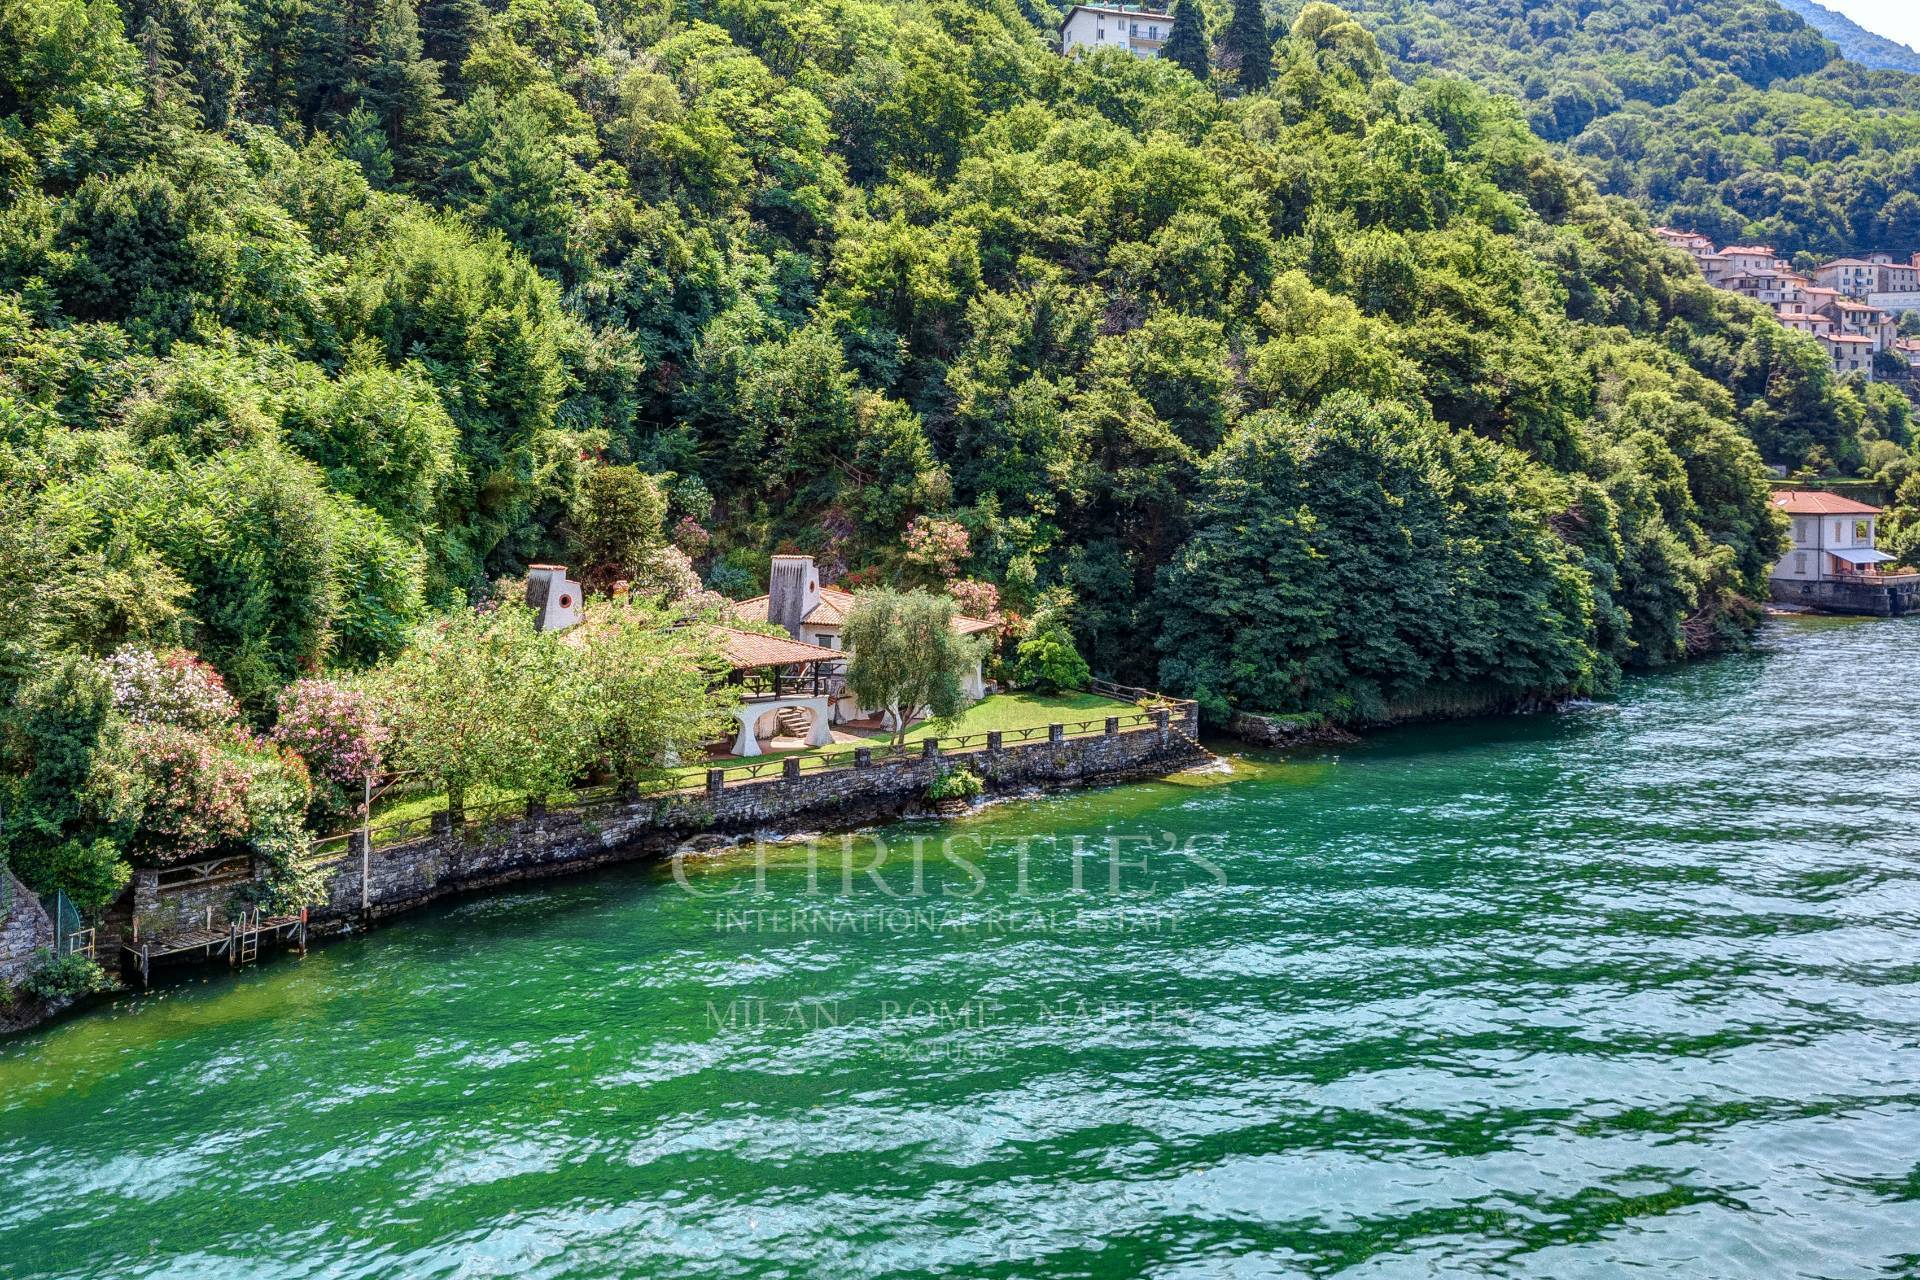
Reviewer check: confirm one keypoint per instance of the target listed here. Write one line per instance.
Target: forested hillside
(1328, 395)
(1731, 117)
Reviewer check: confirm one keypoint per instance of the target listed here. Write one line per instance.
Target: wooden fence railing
(344, 844)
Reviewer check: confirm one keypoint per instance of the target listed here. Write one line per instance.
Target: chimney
(553, 597)
(793, 589)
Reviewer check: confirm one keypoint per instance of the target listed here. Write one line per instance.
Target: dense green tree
(907, 658)
(1364, 560)
(656, 691)
(1186, 45)
(483, 702)
(617, 524)
(1249, 44)
(75, 801)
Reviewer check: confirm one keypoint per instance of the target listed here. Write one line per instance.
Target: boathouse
(1835, 564)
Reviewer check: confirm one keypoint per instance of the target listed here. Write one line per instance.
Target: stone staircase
(794, 723)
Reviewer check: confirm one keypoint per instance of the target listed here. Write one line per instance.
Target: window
(1799, 562)
(1800, 531)
(1153, 33)
(1862, 534)
(1133, 28)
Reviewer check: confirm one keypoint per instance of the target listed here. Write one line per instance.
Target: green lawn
(1022, 711)
(1002, 711)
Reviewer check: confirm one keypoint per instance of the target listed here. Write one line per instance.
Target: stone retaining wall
(24, 933)
(406, 876)
(1871, 599)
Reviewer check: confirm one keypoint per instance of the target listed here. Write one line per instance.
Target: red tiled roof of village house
(749, 649)
(832, 609)
(1749, 249)
(1843, 337)
(1811, 502)
(1845, 262)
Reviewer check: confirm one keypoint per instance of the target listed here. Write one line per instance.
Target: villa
(816, 615)
(1834, 564)
(792, 686)
(1139, 31)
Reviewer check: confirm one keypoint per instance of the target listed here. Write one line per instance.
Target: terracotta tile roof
(834, 606)
(1748, 249)
(1845, 262)
(749, 649)
(1810, 502)
(830, 611)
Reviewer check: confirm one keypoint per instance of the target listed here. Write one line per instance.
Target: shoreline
(549, 844)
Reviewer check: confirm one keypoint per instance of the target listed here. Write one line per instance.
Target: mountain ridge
(1856, 43)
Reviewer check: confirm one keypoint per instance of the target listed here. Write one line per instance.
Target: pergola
(749, 651)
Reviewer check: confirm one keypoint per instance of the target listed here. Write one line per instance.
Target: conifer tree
(448, 29)
(1187, 43)
(402, 90)
(1249, 44)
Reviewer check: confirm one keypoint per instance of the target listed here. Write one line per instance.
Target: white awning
(1861, 555)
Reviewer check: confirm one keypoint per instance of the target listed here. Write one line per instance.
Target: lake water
(1632, 989)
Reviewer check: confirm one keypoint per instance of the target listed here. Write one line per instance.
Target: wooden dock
(238, 940)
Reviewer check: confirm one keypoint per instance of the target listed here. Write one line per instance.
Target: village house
(1806, 322)
(1827, 307)
(1834, 563)
(1686, 241)
(1863, 277)
(1861, 320)
(1775, 289)
(1881, 280)
(1833, 537)
(1138, 30)
(1854, 277)
(1849, 353)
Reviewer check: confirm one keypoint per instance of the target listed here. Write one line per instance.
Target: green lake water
(1631, 990)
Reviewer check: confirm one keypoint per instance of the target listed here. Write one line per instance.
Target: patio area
(1002, 711)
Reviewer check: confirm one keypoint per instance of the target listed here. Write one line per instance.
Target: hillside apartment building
(1140, 31)
(1847, 305)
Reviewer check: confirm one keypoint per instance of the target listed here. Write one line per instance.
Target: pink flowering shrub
(976, 599)
(196, 792)
(170, 688)
(940, 545)
(337, 732)
(665, 576)
(691, 536)
(334, 728)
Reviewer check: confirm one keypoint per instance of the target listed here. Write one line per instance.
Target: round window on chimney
(566, 601)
